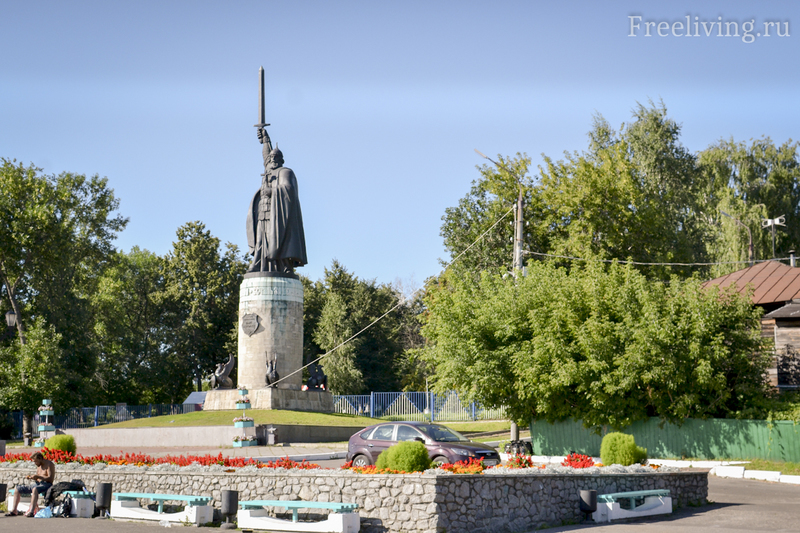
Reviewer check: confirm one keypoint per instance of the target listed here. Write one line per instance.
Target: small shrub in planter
(407, 456)
(382, 462)
(621, 449)
(65, 443)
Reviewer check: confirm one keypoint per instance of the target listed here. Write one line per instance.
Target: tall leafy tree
(636, 193)
(601, 344)
(489, 199)
(34, 370)
(201, 300)
(129, 331)
(752, 182)
(55, 237)
(366, 363)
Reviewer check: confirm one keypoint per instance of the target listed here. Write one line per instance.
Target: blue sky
(377, 106)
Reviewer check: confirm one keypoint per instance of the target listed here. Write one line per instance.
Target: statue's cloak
(285, 236)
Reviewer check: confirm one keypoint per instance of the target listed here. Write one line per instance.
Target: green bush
(61, 442)
(408, 456)
(383, 460)
(621, 449)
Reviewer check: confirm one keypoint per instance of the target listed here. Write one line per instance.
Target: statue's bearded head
(275, 159)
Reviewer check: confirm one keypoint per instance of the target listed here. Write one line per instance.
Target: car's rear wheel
(440, 460)
(361, 460)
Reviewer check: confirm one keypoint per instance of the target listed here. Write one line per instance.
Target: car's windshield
(442, 434)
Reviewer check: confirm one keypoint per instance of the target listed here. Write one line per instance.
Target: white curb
(728, 471)
(763, 475)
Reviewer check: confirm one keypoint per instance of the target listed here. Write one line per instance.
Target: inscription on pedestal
(250, 323)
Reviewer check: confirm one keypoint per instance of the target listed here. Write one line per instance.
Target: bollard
(3, 487)
(2, 447)
(271, 435)
(588, 502)
(103, 500)
(230, 506)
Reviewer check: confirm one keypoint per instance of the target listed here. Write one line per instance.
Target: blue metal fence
(84, 417)
(414, 406)
(387, 405)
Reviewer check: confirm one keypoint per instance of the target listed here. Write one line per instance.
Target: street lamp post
(749, 234)
(772, 222)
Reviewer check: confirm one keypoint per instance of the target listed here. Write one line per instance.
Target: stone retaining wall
(411, 502)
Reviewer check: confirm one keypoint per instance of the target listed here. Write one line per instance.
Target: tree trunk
(27, 428)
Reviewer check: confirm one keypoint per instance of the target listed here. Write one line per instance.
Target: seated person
(42, 480)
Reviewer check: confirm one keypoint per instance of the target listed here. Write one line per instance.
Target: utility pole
(518, 255)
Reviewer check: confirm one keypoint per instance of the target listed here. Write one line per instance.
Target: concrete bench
(609, 508)
(342, 519)
(82, 502)
(125, 505)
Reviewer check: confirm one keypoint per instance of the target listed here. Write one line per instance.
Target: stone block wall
(423, 503)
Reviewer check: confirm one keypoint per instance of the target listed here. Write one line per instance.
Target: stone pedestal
(270, 327)
(294, 400)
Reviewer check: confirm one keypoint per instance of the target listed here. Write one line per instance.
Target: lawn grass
(792, 469)
(225, 418)
(479, 426)
(294, 418)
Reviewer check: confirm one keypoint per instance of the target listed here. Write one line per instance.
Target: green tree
(600, 344)
(55, 237)
(129, 332)
(368, 362)
(751, 183)
(635, 194)
(490, 197)
(32, 371)
(201, 301)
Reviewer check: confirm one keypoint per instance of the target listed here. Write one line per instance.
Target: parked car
(444, 444)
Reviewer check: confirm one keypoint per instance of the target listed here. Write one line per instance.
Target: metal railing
(84, 417)
(414, 406)
(387, 405)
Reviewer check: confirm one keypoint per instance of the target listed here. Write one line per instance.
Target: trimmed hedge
(621, 449)
(64, 443)
(407, 456)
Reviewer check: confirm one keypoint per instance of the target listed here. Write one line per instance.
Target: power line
(398, 304)
(641, 263)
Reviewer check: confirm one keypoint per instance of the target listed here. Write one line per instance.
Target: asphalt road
(738, 505)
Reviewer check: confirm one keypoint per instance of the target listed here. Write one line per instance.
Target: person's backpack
(64, 508)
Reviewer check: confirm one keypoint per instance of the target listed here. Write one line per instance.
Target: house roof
(772, 282)
(790, 310)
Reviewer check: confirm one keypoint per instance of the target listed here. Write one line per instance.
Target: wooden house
(776, 288)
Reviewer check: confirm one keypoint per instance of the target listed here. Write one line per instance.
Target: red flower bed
(577, 460)
(520, 461)
(473, 466)
(138, 459)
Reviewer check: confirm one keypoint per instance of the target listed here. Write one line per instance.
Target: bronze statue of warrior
(275, 235)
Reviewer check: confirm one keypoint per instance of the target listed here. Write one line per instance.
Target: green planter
(246, 424)
(245, 443)
(242, 392)
(47, 402)
(38, 444)
(46, 427)
(46, 413)
(243, 405)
